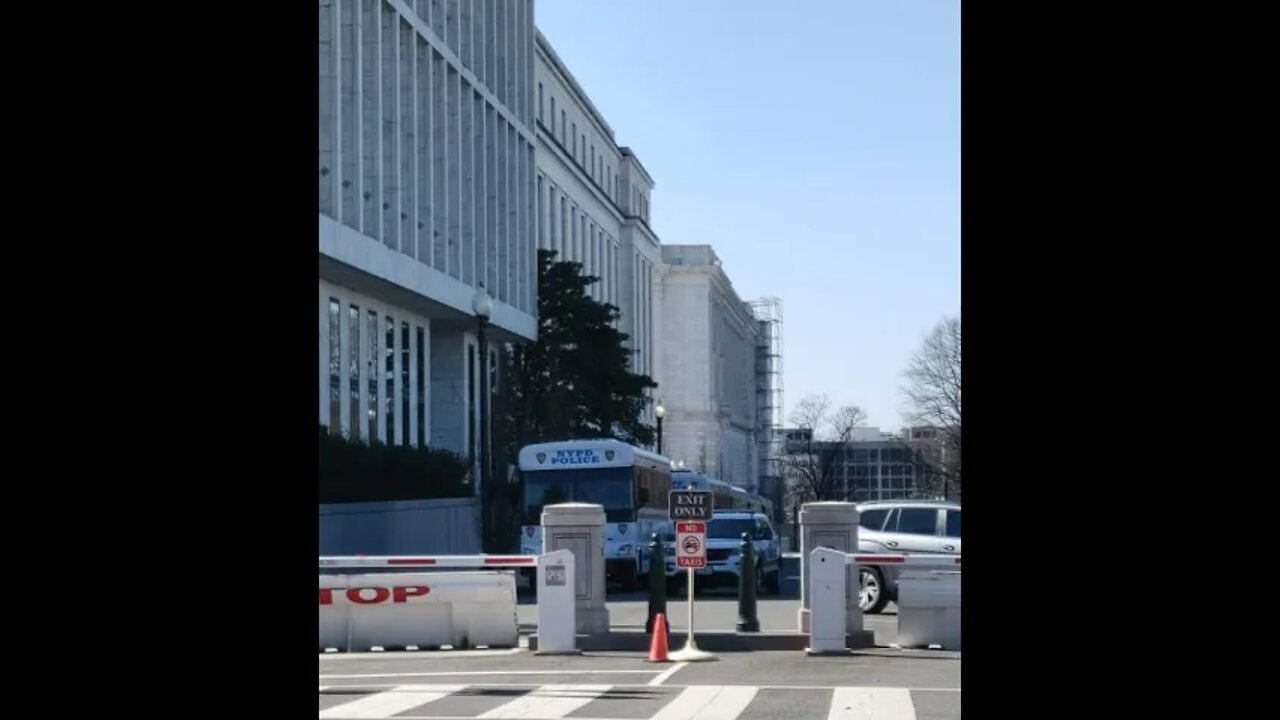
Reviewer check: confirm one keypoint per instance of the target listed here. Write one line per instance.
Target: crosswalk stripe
(708, 702)
(855, 703)
(391, 702)
(548, 701)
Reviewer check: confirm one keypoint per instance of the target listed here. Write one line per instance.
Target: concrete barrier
(334, 618)
(395, 610)
(834, 613)
(929, 609)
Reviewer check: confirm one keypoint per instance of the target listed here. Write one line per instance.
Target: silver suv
(898, 527)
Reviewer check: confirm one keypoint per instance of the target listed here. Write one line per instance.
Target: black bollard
(657, 583)
(747, 620)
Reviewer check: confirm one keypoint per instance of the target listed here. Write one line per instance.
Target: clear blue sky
(815, 144)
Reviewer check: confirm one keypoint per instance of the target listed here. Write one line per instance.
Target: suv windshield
(729, 528)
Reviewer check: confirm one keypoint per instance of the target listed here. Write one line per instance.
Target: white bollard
(579, 528)
(828, 525)
(929, 609)
(557, 630)
(828, 576)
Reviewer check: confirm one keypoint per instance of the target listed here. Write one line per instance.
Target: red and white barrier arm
(916, 560)
(434, 561)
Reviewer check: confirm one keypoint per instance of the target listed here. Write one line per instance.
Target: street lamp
(482, 305)
(658, 412)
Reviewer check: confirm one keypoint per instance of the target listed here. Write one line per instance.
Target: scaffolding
(768, 315)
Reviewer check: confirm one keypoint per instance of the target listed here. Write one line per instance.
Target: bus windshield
(613, 488)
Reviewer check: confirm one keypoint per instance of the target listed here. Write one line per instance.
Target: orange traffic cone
(658, 646)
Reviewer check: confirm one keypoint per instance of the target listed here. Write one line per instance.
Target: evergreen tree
(575, 380)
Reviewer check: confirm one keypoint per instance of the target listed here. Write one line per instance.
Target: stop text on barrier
(690, 505)
(373, 595)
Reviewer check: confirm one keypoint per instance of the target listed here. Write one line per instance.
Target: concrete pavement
(738, 686)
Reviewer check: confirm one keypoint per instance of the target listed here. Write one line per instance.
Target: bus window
(656, 486)
(610, 488)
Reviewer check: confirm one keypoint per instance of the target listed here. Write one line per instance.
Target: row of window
(412, 154)
(490, 39)
(597, 166)
(571, 232)
(909, 520)
(879, 470)
(886, 483)
(872, 455)
(382, 339)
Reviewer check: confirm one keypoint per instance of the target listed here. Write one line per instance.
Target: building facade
(708, 375)
(454, 143)
(592, 199)
(426, 193)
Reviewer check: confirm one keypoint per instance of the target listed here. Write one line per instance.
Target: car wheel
(872, 595)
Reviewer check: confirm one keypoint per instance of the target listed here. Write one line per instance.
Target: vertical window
(583, 159)
(540, 116)
(593, 160)
(373, 377)
(571, 249)
(335, 366)
(353, 321)
(404, 384)
(422, 389)
(563, 128)
(542, 233)
(553, 117)
(551, 218)
(390, 398)
(573, 138)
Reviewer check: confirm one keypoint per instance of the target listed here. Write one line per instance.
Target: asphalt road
(884, 685)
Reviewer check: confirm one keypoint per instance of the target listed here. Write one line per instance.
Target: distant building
(708, 373)
(874, 465)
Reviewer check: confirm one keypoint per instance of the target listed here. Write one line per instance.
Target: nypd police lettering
(575, 457)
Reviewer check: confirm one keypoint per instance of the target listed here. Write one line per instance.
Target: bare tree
(813, 460)
(933, 395)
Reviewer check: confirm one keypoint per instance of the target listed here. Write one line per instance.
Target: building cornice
(580, 95)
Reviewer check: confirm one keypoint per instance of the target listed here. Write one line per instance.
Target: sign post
(690, 510)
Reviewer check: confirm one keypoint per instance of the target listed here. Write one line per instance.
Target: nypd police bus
(630, 483)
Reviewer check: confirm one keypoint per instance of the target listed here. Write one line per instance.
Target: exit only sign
(688, 505)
